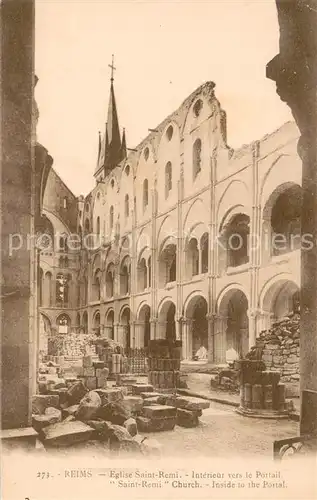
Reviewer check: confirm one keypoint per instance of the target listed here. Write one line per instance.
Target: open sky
(163, 51)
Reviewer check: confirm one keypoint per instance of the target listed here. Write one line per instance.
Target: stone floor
(224, 433)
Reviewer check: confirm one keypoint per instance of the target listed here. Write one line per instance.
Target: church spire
(112, 149)
(123, 146)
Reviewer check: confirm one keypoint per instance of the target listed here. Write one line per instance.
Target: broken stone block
(69, 381)
(152, 401)
(52, 370)
(89, 372)
(76, 392)
(51, 416)
(70, 418)
(114, 412)
(159, 411)
(139, 388)
(102, 429)
(120, 439)
(87, 362)
(101, 383)
(131, 426)
(146, 395)
(187, 418)
(191, 403)
(111, 395)
(42, 401)
(66, 433)
(88, 406)
(61, 393)
(42, 387)
(150, 446)
(133, 404)
(60, 384)
(155, 424)
(70, 410)
(102, 372)
(168, 399)
(99, 364)
(91, 383)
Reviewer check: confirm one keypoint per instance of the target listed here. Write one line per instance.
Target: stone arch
(281, 220)
(195, 212)
(109, 324)
(63, 323)
(167, 261)
(279, 297)
(166, 320)
(143, 325)
(195, 311)
(234, 231)
(232, 197)
(125, 327)
(125, 275)
(96, 322)
(275, 175)
(234, 327)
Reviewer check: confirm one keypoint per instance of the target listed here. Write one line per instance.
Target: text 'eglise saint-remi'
(138, 474)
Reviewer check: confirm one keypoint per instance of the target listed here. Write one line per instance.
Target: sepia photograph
(158, 249)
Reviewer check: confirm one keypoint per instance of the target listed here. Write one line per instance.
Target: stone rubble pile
(71, 345)
(68, 412)
(280, 347)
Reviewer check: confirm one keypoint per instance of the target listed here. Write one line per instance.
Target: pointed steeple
(99, 145)
(123, 146)
(111, 144)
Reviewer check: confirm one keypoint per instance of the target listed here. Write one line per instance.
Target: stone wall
(280, 346)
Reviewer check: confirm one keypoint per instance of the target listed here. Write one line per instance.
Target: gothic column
(139, 334)
(252, 315)
(186, 348)
(161, 329)
(294, 71)
(211, 337)
(220, 343)
(18, 210)
(153, 323)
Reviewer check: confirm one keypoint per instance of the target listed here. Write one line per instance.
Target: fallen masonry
(74, 410)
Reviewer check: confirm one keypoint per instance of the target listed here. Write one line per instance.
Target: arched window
(145, 193)
(126, 205)
(111, 218)
(98, 226)
(142, 275)
(96, 285)
(196, 158)
(62, 289)
(125, 276)
(193, 257)
(168, 178)
(87, 226)
(204, 252)
(110, 280)
(65, 202)
(63, 323)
